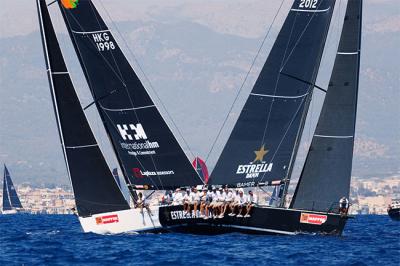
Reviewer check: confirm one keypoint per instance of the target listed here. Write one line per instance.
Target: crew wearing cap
(251, 202)
(228, 199)
(221, 202)
(203, 203)
(214, 202)
(241, 202)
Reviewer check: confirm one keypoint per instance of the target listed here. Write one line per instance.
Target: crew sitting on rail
(214, 202)
(221, 202)
(343, 206)
(234, 203)
(251, 202)
(141, 203)
(241, 202)
(186, 201)
(203, 202)
(228, 199)
(177, 197)
(194, 200)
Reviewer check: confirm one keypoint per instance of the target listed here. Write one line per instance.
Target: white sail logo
(138, 131)
(253, 170)
(137, 142)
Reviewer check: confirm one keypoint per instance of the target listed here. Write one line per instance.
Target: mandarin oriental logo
(69, 4)
(257, 166)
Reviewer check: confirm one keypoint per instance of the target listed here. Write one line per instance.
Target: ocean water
(59, 240)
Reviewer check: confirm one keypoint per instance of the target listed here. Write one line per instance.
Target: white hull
(127, 221)
(9, 212)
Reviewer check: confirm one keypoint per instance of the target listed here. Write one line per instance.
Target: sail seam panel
(127, 109)
(312, 11)
(338, 137)
(279, 96)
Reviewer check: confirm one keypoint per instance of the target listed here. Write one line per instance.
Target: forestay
(327, 171)
(95, 189)
(264, 140)
(148, 152)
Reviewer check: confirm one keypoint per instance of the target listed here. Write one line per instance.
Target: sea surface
(59, 240)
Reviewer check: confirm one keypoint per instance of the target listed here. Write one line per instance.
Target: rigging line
(302, 80)
(148, 80)
(276, 83)
(128, 94)
(284, 136)
(301, 35)
(151, 86)
(90, 83)
(244, 81)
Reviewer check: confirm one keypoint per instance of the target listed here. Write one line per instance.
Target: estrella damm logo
(257, 166)
(70, 4)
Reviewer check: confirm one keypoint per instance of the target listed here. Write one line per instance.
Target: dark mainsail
(94, 186)
(327, 171)
(149, 154)
(263, 143)
(10, 197)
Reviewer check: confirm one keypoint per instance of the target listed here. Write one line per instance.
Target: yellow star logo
(260, 154)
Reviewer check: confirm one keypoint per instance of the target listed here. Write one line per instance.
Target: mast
(94, 187)
(262, 145)
(326, 174)
(149, 154)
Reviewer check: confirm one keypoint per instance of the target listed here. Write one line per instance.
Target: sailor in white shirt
(234, 203)
(221, 202)
(194, 199)
(186, 201)
(228, 199)
(251, 202)
(203, 203)
(177, 197)
(214, 201)
(241, 202)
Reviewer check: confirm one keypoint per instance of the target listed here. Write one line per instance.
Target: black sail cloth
(264, 140)
(10, 197)
(327, 171)
(94, 186)
(149, 154)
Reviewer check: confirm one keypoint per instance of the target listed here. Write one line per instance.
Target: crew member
(251, 202)
(141, 203)
(343, 205)
(186, 201)
(177, 197)
(241, 202)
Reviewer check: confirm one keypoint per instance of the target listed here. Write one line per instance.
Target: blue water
(58, 239)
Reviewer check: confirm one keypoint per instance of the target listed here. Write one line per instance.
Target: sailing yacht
(263, 144)
(149, 155)
(11, 202)
(260, 151)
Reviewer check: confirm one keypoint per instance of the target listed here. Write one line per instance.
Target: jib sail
(94, 186)
(263, 143)
(148, 152)
(327, 171)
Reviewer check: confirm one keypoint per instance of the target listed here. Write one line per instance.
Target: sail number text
(102, 41)
(308, 3)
